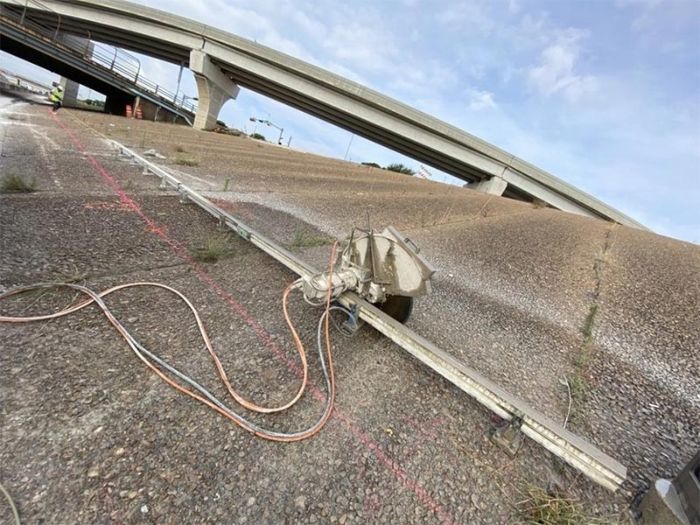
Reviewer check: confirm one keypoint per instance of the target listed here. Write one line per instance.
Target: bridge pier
(70, 92)
(493, 186)
(213, 87)
(71, 87)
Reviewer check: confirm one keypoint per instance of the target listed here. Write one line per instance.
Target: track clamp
(353, 323)
(242, 232)
(184, 196)
(508, 436)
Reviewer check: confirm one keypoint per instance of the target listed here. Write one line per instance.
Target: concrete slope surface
(532, 297)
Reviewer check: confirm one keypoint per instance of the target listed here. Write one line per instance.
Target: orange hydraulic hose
(241, 400)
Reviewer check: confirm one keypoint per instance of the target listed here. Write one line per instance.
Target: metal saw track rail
(580, 454)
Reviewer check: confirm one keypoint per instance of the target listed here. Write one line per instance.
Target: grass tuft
(181, 160)
(579, 386)
(72, 275)
(579, 391)
(215, 247)
(578, 382)
(306, 239)
(180, 149)
(17, 184)
(541, 507)
(587, 329)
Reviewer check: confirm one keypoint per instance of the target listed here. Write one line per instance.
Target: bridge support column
(70, 92)
(70, 87)
(494, 186)
(213, 87)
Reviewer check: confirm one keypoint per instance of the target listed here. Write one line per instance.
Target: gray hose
(15, 514)
(145, 355)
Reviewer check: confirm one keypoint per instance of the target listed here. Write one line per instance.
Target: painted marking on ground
(389, 463)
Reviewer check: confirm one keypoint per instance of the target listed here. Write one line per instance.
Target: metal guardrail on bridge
(125, 65)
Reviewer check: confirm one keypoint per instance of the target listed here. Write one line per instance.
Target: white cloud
(471, 15)
(664, 24)
(556, 72)
(410, 80)
(642, 3)
(479, 100)
(361, 46)
(310, 25)
(532, 29)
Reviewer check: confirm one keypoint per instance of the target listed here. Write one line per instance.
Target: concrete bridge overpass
(80, 60)
(222, 62)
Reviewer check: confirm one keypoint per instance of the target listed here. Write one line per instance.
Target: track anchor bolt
(242, 232)
(508, 436)
(353, 323)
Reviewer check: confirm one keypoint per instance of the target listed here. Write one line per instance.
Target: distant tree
(371, 164)
(257, 136)
(400, 168)
(94, 102)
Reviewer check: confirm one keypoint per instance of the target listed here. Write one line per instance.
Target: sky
(604, 94)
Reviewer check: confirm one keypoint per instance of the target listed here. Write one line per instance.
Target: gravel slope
(515, 288)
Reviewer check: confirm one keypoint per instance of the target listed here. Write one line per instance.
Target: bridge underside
(116, 99)
(70, 56)
(265, 86)
(321, 94)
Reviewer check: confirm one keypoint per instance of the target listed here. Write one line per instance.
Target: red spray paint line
(389, 463)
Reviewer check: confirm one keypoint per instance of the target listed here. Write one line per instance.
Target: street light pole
(349, 144)
(271, 124)
(179, 79)
(185, 98)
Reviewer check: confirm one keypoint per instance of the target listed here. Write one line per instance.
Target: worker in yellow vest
(56, 97)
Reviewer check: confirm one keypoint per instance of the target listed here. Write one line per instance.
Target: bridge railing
(116, 60)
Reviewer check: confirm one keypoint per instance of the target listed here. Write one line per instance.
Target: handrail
(112, 58)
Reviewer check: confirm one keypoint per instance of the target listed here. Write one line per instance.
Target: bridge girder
(324, 95)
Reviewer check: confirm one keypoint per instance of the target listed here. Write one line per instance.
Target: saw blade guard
(376, 266)
(390, 263)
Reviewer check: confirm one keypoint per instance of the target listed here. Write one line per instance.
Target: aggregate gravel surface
(90, 436)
